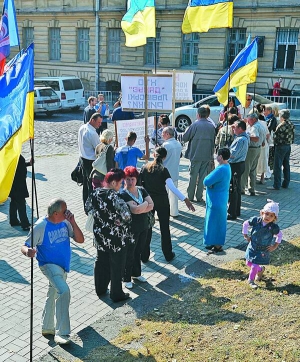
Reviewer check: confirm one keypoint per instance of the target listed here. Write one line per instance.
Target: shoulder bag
(100, 163)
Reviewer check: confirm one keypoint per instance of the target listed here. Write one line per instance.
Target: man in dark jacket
(17, 195)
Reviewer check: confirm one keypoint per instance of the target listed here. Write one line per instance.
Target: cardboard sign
(137, 126)
(159, 92)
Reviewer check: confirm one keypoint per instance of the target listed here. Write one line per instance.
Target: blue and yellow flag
(138, 23)
(8, 31)
(202, 15)
(16, 115)
(242, 71)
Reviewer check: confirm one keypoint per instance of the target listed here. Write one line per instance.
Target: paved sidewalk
(56, 156)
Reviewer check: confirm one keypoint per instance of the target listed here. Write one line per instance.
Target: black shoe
(252, 193)
(284, 187)
(171, 258)
(125, 297)
(16, 223)
(209, 247)
(230, 217)
(26, 228)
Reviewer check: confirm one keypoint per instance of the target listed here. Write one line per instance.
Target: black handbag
(77, 174)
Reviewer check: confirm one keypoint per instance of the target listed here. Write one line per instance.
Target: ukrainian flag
(138, 23)
(16, 115)
(202, 15)
(242, 71)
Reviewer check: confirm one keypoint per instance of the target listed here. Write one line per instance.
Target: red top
(276, 89)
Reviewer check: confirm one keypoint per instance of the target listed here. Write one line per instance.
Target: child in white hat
(261, 240)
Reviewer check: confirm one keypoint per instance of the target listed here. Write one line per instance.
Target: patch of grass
(219, 318)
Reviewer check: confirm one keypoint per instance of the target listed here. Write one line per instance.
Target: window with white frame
(285, 49)
(190, 49)
(54, 43)
(27, 36)
(150, 49)
(113, 45)
(236, 42)
(83, 44)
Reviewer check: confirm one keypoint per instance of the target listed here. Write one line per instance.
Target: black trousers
(133, 258)
(235, 200)
(18, 206)
(163, 213)
(87, 182)
(109, 267)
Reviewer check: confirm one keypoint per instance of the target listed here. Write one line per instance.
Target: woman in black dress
(154, 177)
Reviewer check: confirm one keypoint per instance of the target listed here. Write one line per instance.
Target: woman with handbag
(154, 177)
(140, 204)
(105, 154)
(112, 235)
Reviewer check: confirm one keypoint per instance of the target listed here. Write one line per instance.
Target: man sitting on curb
(51, 242)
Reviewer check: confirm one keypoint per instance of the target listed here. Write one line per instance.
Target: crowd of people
(122, 201)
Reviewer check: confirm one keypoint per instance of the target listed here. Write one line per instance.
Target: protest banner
(154, 89)
(137, 126)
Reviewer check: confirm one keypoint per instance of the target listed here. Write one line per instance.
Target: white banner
(159, 92)
(137, 126)
(183, 85)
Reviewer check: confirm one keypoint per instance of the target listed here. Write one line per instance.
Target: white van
(69, 89)
(46, 100)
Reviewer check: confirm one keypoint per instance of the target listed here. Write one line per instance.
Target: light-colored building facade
(84, 38)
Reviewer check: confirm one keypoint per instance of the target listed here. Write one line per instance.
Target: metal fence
(292, 102)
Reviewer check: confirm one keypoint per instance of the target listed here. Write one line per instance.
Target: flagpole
(33, 199)
(155, 60)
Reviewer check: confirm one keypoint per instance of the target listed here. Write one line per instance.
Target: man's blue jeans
(57, 301)
(282, 160)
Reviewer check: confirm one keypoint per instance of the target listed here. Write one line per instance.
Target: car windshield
(212, 102)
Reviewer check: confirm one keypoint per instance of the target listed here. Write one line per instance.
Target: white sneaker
(128, 285)
(140, 279)
(61, 339)
(252, 284)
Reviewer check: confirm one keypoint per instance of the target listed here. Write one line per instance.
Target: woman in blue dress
(217, 192)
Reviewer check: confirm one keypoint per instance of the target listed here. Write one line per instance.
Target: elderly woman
(140, 203)
(155, 177)
(104, 149)
(217, 192)
(112, 235)
(283, 138)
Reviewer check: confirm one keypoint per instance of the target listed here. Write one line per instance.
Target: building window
(54, 43)
(236, 42)
(285, 49)
(150, 49)
(114, 45)
(27, 36)
(83, 45)
(190, 49)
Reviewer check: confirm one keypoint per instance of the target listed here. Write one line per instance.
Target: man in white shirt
(88, 140)
(244, 111)
(171, 162)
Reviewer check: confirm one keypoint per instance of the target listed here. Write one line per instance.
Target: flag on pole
(241, 91)
(242, 71)
(202, 15)
(9, 35)
(16, 115)
(138, 23)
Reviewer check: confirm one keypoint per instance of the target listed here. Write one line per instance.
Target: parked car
(69, 90)
(46, 100)
(186, 115)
